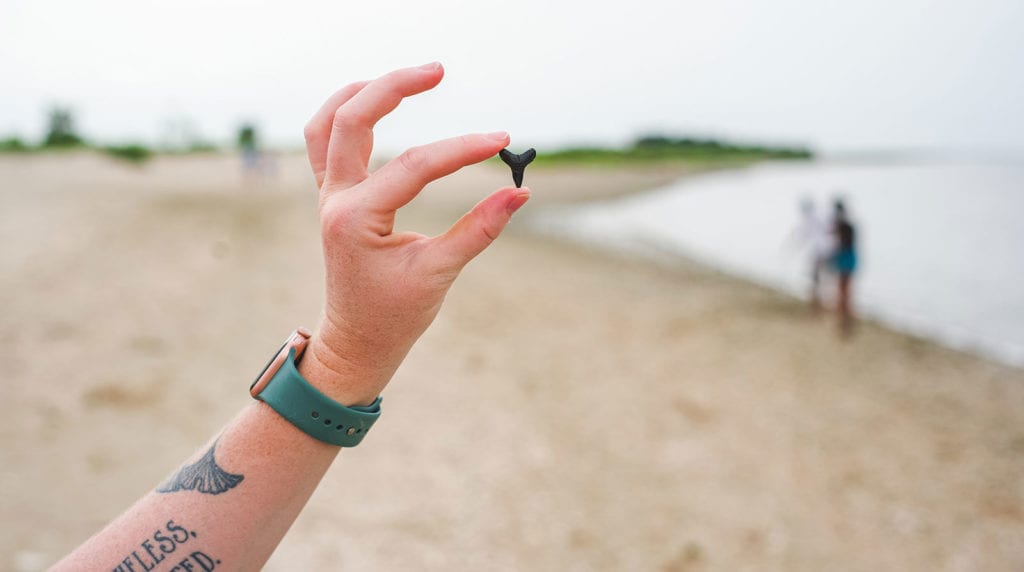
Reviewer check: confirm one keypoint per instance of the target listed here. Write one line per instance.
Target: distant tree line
(688, 144)
(61, 133)
(666, 148)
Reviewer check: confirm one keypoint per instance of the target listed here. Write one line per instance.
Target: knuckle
(394, 78)
(353, 87)
(487, 228)
(310, 132)
(345, 119)
(415, 160)
(338, 217)
(490, 234)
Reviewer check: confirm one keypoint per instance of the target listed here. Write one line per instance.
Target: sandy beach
(568, 410)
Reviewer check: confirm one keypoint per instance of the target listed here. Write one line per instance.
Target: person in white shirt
(814, 232)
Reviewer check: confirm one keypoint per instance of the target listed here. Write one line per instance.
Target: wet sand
(568, 410)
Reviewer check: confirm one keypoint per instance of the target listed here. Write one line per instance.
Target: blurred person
(813, 232)
(247, 142)
(248, 145)
(844, 262)
(231, 503)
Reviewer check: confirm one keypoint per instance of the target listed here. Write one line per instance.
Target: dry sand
(568, 410)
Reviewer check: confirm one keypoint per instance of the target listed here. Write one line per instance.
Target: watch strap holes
(327, 421)
(315, 414)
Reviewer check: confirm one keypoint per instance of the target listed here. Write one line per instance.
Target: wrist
(342, 379)
(304, 405)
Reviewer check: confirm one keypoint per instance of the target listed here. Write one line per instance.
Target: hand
(384, 287)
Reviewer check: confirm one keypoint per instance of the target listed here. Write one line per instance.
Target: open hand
(384, 287)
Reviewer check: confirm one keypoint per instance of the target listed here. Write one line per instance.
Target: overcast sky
(844, 75)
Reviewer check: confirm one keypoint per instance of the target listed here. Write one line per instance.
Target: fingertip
(518, 199)
(500, 137)
(510, 192)
(434, 69)
(438, 75)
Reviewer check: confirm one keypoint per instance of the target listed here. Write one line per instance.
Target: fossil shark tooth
(518, 163)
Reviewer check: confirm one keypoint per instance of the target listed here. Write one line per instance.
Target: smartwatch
(281, 387)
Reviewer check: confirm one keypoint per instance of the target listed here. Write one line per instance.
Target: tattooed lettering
(205, 476)
(201, 562)
(163, 543)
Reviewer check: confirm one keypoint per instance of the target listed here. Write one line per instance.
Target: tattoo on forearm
(163, 543)
(205, 476)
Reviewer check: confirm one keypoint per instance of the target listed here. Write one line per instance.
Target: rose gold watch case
(298, 340)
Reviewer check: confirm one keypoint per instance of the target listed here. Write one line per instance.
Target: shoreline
(593, 224)
(966, 343)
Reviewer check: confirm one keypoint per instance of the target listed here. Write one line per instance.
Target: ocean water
(941, 244)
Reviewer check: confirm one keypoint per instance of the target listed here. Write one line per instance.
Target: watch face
(269, 361)
(296, 341)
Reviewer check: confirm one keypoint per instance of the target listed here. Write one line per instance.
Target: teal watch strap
(314, 413)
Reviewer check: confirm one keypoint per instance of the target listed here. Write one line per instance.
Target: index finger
(348, 153)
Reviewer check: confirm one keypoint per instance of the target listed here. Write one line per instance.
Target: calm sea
(941, 244)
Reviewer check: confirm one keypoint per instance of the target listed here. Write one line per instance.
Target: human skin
(383, 289)
(845, 312)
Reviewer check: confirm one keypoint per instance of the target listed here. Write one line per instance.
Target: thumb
(475, 231)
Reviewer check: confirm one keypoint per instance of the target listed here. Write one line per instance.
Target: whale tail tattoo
(518, 163)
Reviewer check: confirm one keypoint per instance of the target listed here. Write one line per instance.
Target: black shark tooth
(518, 163)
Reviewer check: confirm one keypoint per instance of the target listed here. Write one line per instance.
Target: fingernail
(497, 135)
(432, 66)
(517, 202)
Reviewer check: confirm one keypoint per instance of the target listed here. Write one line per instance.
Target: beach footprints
(517, 163)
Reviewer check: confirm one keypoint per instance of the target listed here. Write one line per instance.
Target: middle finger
(348, 152)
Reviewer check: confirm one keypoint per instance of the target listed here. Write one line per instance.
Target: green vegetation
(61, 134)
(133, 153)
(650, 149)
(13, 145)
(200, 147)
(658, 148)
(60, 131)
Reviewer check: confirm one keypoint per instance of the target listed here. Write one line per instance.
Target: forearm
(227, 508)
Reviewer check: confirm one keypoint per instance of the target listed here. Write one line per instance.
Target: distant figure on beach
(814, 232)
(844, 262)
(248, 144)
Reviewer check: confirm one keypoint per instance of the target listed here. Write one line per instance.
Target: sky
(838, 76)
